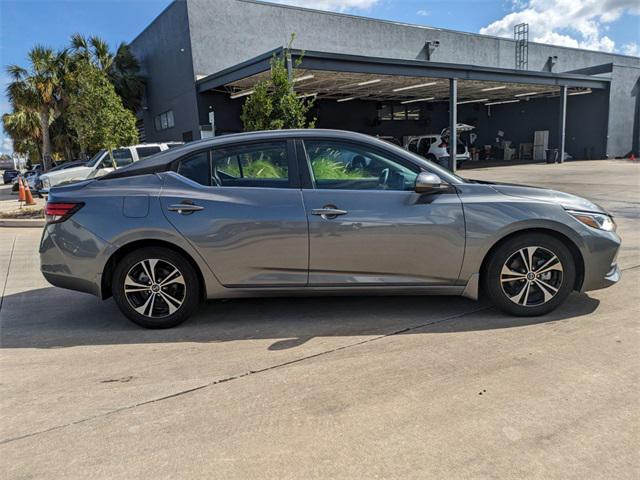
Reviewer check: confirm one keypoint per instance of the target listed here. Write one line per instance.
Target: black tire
(561, 278)
(158, 311)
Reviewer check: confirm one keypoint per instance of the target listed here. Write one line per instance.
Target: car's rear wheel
(529, 275)
(156, 287)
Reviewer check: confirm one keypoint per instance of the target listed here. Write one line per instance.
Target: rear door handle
(185, 208)
(328, 212)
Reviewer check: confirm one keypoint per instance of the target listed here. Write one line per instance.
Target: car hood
(566, 200)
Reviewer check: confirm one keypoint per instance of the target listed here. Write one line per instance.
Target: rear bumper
(72, 257)
(72, 283)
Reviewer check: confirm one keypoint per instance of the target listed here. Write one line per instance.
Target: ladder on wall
(521, 36)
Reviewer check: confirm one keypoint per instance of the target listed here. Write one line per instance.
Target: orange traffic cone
(28, 198)
(21, 196)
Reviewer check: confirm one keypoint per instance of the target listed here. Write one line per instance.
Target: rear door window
(253, 165)
(122, 157)
(144, 152)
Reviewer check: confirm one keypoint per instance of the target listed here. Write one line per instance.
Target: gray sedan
(317, 212)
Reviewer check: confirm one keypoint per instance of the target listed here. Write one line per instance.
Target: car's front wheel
(156, 287)
(529, 274)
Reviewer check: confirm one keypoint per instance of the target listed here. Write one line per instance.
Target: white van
(101, 164)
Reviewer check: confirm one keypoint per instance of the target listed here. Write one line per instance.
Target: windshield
(95, 159)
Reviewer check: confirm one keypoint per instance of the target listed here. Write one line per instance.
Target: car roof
(163, 159)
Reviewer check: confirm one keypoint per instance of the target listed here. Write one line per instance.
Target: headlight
(45, 183)
(594, 220)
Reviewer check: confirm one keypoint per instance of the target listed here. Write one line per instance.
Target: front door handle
(185, 208)
(328, 212)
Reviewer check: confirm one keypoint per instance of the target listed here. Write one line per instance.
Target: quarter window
(348, 166)
(196, 168)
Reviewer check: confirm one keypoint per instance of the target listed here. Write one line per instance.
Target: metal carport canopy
(324, 61)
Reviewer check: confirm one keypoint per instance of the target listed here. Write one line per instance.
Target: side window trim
(292, 160)
(304, 166)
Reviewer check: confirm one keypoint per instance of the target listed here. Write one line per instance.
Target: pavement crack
(242, 375)
(6, 279)
(629, 268)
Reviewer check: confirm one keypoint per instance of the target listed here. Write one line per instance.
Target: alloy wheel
(531, 276)
(155, 288)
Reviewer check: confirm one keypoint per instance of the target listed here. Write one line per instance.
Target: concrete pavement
(9, 200)
(381, 387)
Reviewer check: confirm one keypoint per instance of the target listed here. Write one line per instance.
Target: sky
(606, 25)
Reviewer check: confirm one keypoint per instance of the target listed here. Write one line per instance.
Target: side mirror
(430, 183)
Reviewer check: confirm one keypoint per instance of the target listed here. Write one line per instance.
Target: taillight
(56, 212)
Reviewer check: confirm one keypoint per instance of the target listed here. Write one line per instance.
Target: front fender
(489, 220)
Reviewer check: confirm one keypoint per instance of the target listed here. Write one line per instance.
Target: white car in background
(101, 164)
(433, 148)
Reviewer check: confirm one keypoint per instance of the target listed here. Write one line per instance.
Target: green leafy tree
(274, 104)
(96, 113)
(121, 67)
(38, 89)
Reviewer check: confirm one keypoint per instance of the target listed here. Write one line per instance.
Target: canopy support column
(453, 122)
(563, 121)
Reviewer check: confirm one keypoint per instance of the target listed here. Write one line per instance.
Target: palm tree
(38, 90)
(122, 68)
(23, 126)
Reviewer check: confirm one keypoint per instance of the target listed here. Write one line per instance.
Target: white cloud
(6, 145)
(569, 23)
(333, 5)
(423, 13)
(631, 48)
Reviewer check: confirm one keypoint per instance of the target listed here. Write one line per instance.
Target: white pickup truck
(101, 164)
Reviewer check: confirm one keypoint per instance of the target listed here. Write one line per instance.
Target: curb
(24, 223)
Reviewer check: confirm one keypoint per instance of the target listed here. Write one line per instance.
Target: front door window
(345, 166)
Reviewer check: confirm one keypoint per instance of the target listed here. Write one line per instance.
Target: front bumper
(613, 276)
(601, 268)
